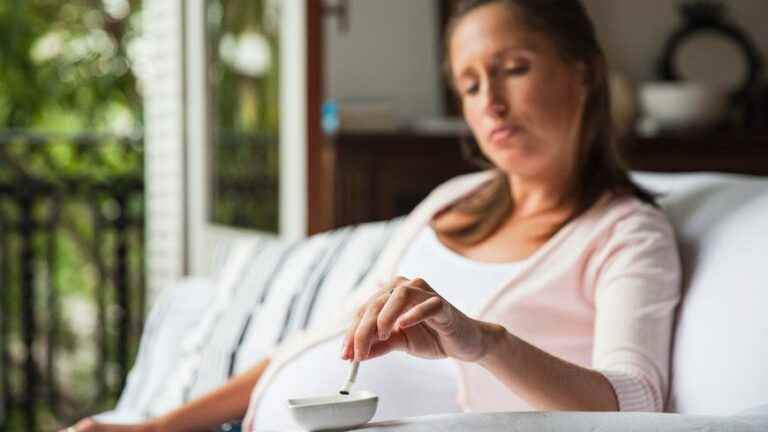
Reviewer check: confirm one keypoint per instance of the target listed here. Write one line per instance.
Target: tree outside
(243, 38)
(70, 67)
(70, 178)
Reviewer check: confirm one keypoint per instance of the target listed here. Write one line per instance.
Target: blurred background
(135, 133)
(74, 77)
(71, 204)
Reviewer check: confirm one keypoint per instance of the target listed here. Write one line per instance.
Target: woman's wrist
(496, 341)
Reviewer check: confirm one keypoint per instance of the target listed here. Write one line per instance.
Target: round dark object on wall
(706, 37)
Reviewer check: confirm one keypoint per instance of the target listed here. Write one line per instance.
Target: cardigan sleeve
(636, 291)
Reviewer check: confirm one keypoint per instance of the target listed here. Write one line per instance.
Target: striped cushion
(267, 289)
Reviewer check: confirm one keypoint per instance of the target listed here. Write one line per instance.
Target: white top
(462, 281)
(406, 385)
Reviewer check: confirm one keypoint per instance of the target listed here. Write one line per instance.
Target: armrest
(572, 422)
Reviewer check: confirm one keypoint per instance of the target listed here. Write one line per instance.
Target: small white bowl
(685, 104)
(334, 412)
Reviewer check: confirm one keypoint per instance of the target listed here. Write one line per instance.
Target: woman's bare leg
(228, 402)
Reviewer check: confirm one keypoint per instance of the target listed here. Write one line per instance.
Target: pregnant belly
(406, 385)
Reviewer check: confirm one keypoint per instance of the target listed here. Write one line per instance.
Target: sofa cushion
(720, 353)
(265, 290)
(173, 313)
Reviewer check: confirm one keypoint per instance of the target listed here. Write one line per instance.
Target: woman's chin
(517, 164)
(514, 149)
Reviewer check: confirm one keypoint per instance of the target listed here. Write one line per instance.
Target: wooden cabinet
(380, 176)
(383, 175)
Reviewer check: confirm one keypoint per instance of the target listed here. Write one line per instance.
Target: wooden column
(318, 193)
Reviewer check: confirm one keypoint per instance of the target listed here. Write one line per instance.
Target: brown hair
(599, 169)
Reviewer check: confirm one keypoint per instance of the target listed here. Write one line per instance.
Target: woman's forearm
(226, 403)
(543, 380)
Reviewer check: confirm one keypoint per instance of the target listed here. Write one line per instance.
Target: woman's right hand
(91, 425)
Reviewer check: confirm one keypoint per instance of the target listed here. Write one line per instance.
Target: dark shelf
(736, 152)
(383, 175)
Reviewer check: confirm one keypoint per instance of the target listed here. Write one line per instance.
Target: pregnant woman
(548, 281)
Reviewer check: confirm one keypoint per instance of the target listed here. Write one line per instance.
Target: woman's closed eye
(517, 70)
(511, 69)
(471, 89)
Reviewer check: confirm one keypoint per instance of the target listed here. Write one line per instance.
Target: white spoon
(350, 378)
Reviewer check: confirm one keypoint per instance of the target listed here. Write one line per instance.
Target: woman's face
(523, 102)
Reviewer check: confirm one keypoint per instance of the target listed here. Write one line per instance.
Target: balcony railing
(71, 274)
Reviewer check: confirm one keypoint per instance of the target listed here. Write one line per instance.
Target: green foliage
(65, 66)
(246, 112)
(70, 119)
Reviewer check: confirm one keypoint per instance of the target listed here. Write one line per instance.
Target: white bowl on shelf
(684, 104)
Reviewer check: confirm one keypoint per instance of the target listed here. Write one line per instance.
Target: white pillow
(720, 349)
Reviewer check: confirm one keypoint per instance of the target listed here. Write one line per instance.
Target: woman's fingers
(389, 313)
(87, 424)
(367, 332)
(396, 342)
(429, 308)
(422, 285)
(400, 301)
(91, 425)
(402, 297)
(347, 350)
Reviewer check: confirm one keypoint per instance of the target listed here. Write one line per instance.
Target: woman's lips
(503, 132)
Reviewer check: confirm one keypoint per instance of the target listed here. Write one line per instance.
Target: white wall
(391, 49)
(388, 52)
(633, 33)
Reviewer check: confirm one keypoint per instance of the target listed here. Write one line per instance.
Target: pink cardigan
(601, 293)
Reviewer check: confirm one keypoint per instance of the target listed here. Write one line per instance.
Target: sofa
(262, 290)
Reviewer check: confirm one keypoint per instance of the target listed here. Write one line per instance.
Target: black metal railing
(71, 274)
(244, 180)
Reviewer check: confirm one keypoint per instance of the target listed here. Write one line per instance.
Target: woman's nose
(495, 104)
